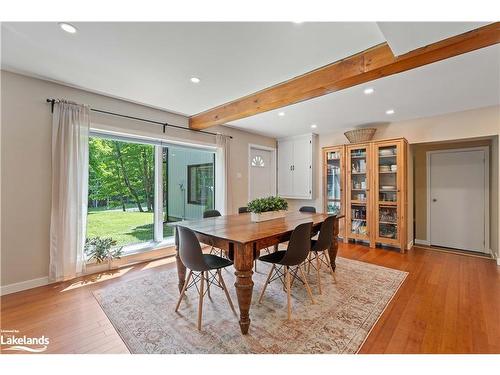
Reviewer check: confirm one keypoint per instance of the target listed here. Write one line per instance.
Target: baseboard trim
(23, 285)
(422, 242)
(409, 246)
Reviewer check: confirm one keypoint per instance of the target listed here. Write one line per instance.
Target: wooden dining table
(242, 240)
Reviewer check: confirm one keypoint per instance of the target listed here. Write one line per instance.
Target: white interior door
(458, 199)
(262, 173)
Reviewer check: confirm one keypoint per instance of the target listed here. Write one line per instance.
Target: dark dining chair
(319, 250)
(213, 213)
(288, 263)
(310, 209)
(202, 268)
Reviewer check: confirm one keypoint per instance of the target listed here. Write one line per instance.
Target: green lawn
(124, 227)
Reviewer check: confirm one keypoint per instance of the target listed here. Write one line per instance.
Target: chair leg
(183, 291)
(200, 301)
(309, 263)
(208, 284)
(317, 272)
(226, 292)
(288, 293)
(267, 282)
(330, 265)
(308, 288)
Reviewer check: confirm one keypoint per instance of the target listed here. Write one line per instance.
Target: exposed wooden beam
(374, 63)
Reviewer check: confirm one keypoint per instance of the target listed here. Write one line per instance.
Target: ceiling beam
(371, 64)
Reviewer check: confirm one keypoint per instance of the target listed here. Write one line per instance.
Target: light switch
(238, 175)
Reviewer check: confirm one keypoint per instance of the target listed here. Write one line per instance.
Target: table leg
(332, 251)
(181, 268)
(243, 263)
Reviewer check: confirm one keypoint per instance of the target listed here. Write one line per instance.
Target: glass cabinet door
(334, 181)
(357, 194)
(388, 189)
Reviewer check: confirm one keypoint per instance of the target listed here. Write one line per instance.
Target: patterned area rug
(142, 311)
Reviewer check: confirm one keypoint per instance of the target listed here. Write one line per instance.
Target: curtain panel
(70, 142)
(221, 173)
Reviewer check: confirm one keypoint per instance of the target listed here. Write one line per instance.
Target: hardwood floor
(449, 303)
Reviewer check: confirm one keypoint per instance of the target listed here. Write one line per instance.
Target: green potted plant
(269, 208)
(100, 249)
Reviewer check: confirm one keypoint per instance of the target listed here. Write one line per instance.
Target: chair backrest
(243, 210)
(308, 209)
(325, 237)
(190, 250)
(298, 246)
(211, 213)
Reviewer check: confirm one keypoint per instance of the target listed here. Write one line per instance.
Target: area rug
(142, 311)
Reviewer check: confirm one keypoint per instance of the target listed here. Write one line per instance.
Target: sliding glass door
(126, 179)
(188, 184)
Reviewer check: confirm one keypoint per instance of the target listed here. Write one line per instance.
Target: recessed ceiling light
(369, 91)
(195, 80)
(67, 27)
(281, 114)
(314, 126)
(389, 112)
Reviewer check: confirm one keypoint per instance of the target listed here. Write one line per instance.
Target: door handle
(434, 199)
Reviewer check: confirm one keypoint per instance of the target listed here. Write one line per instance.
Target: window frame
(189, 180)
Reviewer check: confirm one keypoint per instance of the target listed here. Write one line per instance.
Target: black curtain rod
(164, 124)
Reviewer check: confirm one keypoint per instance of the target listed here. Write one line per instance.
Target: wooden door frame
(273, 166)
(486, 150)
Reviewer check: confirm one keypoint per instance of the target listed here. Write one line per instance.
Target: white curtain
(221, 173)
(70, 133)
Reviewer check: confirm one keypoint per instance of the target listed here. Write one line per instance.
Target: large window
(121, 191)
(124, 186)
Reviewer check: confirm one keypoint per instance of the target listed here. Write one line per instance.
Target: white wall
(26, 163)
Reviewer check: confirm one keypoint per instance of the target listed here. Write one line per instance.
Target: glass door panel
(387, 189)
(334, 182)
(358, 192)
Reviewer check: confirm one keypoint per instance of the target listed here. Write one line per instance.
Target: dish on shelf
(387, 187)
(385, 168)
(387, 152)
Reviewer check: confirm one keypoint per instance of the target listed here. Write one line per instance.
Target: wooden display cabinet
(368, 184)
(334, 183)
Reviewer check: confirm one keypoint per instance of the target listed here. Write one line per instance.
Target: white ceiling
(403, 37)
(152, 63)
(464, 82)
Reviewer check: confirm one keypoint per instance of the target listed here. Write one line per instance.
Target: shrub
(267, 204)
